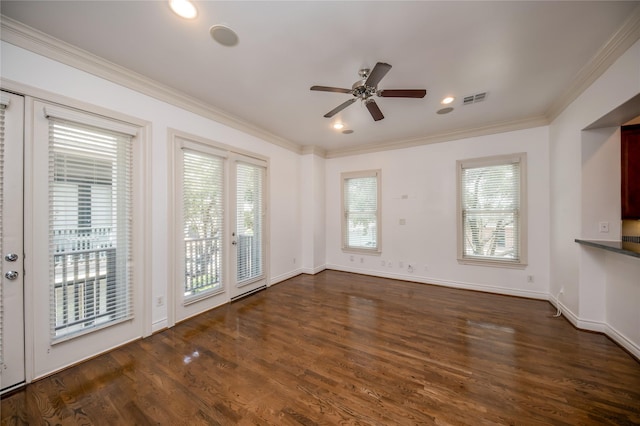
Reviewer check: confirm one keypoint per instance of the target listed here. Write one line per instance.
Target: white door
(200, 194)
(85, 201)
(11, 242)
(247, 264)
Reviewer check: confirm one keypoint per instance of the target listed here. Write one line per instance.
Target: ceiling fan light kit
(366, 88)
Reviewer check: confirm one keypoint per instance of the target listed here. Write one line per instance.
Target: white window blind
(491, 209)
(249, 220)
(361, 221)
(203, 211)
(90, 197)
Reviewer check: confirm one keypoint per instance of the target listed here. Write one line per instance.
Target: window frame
(344, 177)
(123, 274)
(522, 243)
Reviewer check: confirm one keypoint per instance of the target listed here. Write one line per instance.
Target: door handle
(11, 275)
(11, 257)
(234, 242)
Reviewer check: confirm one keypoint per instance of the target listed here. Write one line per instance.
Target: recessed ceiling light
(223, 35)
(183, 8)
(447, 100)
(444, 110)
(338, 126)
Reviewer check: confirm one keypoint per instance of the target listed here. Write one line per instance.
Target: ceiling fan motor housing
(362, 91)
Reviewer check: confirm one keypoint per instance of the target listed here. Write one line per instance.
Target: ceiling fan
(365, 88)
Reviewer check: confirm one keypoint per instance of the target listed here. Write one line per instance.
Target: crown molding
(314, 150)
(23, 36)
(619, 43)
(490, 129)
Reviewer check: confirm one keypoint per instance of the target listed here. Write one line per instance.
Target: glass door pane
(203, 196)
(248, 234)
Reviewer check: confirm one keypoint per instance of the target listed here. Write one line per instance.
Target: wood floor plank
(345, 349)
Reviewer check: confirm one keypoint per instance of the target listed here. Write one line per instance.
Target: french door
(12, 371)
(219, 226)
(248, 233)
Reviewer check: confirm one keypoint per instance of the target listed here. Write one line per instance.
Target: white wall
(601, 290)
(35, 71)
(426, 175)
(312, 214)
(601, 176)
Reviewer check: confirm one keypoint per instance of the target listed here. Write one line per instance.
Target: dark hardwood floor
(345, 349)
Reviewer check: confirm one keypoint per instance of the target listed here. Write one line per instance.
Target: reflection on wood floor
(339, 348)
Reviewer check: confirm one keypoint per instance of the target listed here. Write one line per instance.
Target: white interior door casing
(12, 340)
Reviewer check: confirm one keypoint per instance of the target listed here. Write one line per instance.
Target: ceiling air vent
(472, 99)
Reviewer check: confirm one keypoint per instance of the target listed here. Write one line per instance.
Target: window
(492, 210)
(361, 211)
(90, 187)
(203, 210)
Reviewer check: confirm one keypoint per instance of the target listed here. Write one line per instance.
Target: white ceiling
(526, 55)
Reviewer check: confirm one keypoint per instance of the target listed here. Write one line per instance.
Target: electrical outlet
(561, 290)
(383, 263)
(351, 258)
(529, 278)
(410, 269)
(294, 260)
(159, 301)
(362, 260)
(604, 227)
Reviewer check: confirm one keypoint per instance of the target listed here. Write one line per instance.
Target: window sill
(371, 252)
(492, 263)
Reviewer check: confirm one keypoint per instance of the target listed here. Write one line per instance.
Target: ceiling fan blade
(340, 108)
(403, 93)
(380, 70)
(373, 108)
(330, 89)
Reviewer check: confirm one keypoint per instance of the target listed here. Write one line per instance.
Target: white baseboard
(159, 325)
(313, 271)
(624, 341)
(445, 283)
(599, 327)
(285, 276)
